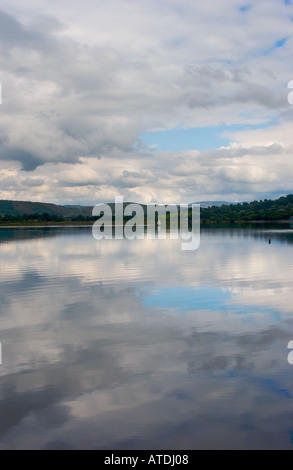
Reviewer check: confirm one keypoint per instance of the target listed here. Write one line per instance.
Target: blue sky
(198, 138)
(278, 44)
(183, 299)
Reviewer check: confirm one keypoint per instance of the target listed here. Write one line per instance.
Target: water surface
(119, 344)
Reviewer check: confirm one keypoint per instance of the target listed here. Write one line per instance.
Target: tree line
(44, 217)
(264, 210)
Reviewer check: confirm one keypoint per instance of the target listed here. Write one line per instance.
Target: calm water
(119, 344)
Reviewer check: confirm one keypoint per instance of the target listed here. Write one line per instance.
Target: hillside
(279, 209)
(205, 204)
(36, 212)
(31, 212)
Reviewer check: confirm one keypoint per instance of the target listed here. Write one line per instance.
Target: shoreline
(69, 224)
(46, 224)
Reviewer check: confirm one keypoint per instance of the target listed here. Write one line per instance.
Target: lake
(119, 344)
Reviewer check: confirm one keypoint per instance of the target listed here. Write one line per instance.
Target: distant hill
(21, 208)
(27, 211)
(74, 206)
(211, 211)
(268, 210)
(205, 204)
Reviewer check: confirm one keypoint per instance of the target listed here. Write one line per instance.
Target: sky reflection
(119, 344)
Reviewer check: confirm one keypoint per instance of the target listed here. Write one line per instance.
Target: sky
(170, 101)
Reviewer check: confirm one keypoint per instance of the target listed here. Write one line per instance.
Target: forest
(256, 211)
(263, 210)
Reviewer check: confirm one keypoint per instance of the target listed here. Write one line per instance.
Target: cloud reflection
(116, 345)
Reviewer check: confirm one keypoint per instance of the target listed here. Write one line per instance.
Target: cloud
(86, 83)
(13, 33)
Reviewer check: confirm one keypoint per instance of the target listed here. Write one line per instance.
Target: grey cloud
(204, 74)
(33, 182)
(133, 174)
(88, 87)
(238, 152)
(209, 85)
(99, 100)
(13, 33)
(261, 95)
(28, 160)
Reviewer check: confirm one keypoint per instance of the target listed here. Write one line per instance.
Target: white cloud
(82, 81)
